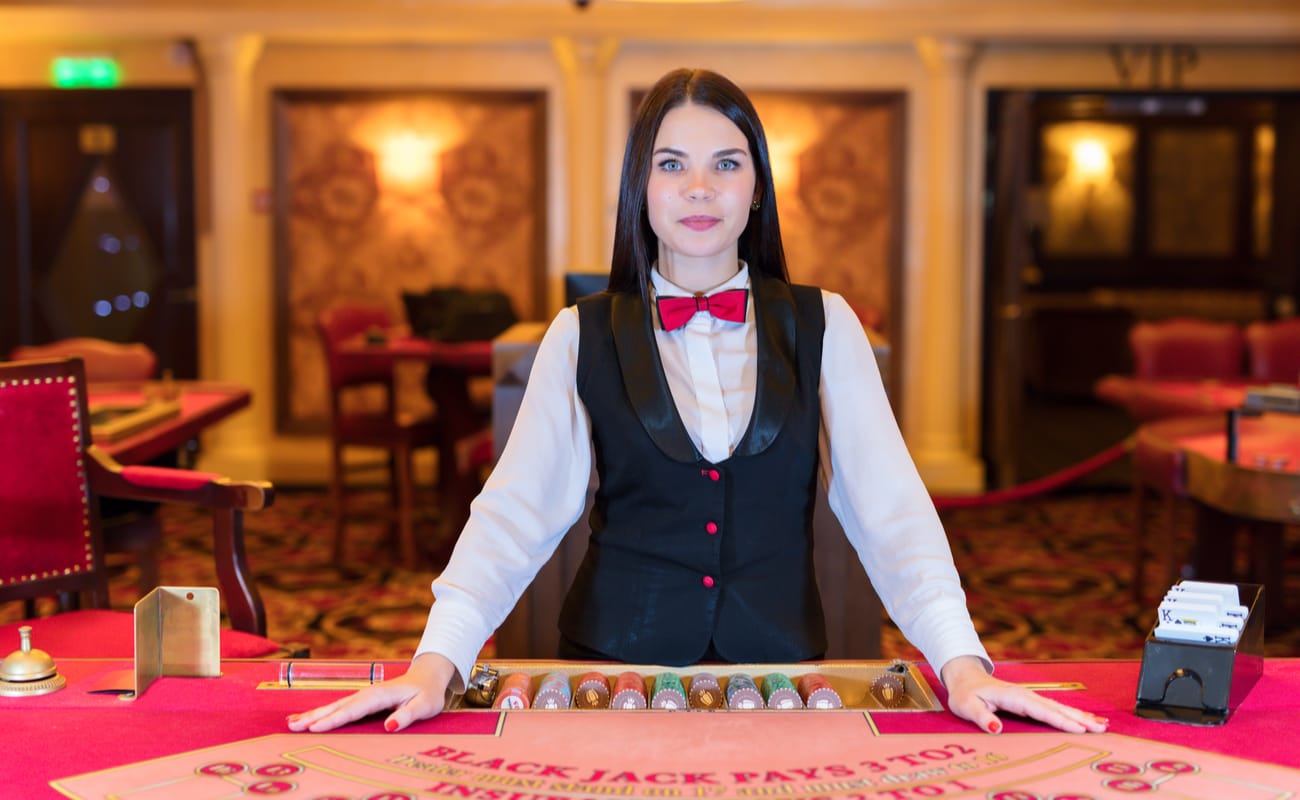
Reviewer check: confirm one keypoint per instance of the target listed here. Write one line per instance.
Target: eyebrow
(728, 152)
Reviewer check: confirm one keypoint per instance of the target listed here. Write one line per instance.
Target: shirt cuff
(939, 657)
(454, 631)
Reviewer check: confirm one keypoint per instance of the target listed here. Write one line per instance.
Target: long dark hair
(635, 245)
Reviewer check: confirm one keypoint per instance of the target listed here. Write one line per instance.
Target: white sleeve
(536, 491)
(878, 496)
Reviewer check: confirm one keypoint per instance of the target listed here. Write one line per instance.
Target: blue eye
(728, 164)
(670, 165)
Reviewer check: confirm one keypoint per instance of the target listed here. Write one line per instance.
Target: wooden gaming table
(1257, 493)
(202, 404)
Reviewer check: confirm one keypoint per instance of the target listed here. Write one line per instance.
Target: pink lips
(699, 223)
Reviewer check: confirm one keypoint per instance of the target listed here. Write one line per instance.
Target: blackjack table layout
(822, 730)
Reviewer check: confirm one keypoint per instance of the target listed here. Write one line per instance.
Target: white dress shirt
(538, 488)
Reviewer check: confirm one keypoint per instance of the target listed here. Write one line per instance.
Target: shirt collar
(665, 287)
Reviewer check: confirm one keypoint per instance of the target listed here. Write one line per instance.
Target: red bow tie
(674, 312)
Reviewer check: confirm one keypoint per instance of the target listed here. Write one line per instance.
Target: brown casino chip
(706, 692)
(817, 692)
(592, 692)
(629, 691)
(889, 690)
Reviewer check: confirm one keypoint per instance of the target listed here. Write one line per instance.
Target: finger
(300, 722)
(1090, 722)
(345, 710)
(422, 705)
(1058, 715)
(357, 706)
(975, 709)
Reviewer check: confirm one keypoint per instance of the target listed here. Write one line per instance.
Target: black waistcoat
(642, 592)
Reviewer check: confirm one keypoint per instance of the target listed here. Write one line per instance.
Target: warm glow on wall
(1087, 176)
(783, 154)
(408, 160)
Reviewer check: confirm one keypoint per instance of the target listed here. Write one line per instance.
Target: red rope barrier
(1037, 486)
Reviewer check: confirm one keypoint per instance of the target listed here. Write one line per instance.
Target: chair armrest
(168, 485)
(227, 500)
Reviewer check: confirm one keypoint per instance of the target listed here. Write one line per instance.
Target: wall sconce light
(408, 160)
(1090, 161)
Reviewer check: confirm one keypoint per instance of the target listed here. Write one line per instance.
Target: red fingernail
(390, 725)
(995, 727)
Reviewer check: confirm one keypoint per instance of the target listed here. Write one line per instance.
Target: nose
(698, 186)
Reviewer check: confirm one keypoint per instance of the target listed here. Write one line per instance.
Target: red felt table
(1152, 399)
(71, 733)
(202, 404)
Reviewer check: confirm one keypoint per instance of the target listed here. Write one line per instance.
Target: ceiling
(807, 21)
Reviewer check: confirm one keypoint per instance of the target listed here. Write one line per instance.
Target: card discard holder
(1200, 683)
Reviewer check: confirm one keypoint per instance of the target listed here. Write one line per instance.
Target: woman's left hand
(975, 695)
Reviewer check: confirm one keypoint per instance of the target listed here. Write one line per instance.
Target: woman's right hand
(419, 694)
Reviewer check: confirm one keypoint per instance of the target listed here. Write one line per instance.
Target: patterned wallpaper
(836, 161)
(381, 194)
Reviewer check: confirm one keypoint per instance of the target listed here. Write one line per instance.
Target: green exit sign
(85, 73)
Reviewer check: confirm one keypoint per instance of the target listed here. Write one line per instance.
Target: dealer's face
(700, 189)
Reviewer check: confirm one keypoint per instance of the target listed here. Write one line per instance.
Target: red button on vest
(714, 475)
(712, 528)
(708, 581)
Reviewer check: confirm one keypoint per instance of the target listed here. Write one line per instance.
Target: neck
(697, 274)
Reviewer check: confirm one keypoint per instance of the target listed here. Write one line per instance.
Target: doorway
(98, 220)
(1108, 208)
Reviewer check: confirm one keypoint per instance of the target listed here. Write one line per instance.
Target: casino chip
(889, 691)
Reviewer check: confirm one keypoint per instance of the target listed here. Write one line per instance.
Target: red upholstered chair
(132, 531)
(1185, 348)
(386, 427)
(104, 360)
(1273, 351)
(51, 477)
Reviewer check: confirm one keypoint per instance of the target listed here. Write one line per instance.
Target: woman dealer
(713, 394)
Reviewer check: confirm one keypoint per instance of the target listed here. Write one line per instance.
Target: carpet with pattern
(1045, 578)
